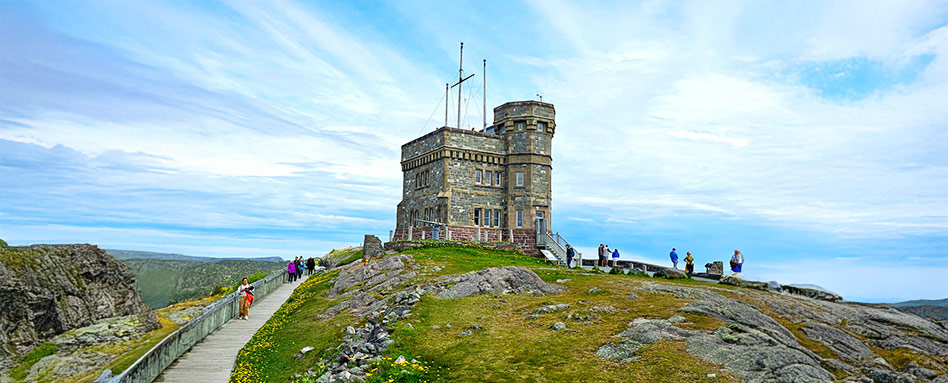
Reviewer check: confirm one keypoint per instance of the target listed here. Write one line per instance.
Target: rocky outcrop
(499, 280)
(46, 290)
(759, 348)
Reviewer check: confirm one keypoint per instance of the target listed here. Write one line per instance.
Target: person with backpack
(291, 270)
(569, 256)
(689, 264)
(244, 297)
(737, 261)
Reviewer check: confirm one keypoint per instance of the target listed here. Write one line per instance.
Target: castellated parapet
(491, 185)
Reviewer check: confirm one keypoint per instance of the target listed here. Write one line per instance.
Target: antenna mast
(461, 79)
(485, 94)
(446, 104)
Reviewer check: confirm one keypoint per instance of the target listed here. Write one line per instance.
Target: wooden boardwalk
(212, 359)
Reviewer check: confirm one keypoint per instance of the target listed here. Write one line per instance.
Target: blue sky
(810, 135)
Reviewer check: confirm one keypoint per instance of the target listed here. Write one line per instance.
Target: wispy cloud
(776, 128)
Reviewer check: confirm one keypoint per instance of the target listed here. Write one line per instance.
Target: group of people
(297, 266)
(737, 261)
(604, 255)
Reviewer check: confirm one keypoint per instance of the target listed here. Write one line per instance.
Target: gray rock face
(812, 293)
(380, 272)
(737, 280)
(843, 344)
(46, 290)
(751, 354)
(502, 280)
(760, 349)
(551, 308)
(372, 247)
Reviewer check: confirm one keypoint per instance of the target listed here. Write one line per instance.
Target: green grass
(357, 255)
(40, 352)
(511, 347)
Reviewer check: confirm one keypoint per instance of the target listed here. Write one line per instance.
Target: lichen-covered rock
(387, 271)
(503, 280)
(46, 290)
(822, 295)
(372, 247)
(735, 279)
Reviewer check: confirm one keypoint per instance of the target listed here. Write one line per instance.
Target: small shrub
(616, 271)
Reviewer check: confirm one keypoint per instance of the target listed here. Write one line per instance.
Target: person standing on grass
(569, 256)
(601, 256)
(674, 257)
(689, 264)
(242, 296)
(615, 258)
(737, 261)
(291, 270)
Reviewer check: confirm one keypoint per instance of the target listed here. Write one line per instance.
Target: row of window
(421, 179)
(427, 214)
(493, 178)
(488, 177)
(491, 217)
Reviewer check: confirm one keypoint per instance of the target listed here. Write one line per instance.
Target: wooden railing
(156, 360)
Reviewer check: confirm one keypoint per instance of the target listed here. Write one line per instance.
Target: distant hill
(135, 254)
(166, 281)
(924, 302)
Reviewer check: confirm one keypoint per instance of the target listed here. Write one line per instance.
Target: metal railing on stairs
(556, 245)
(156, 360)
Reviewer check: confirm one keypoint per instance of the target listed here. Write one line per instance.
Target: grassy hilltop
(600, 328)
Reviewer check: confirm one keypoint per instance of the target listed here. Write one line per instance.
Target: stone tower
(492, 185)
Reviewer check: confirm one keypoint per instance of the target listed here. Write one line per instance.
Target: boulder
(670, 274)
(814, 293)
(372, 247)
(735, 279)
(494, 280)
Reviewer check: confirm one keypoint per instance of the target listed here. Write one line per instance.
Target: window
(497, 179)
(421, 179)
(541, 126)
(486, 218)
(519, 178)
(540, 216)
(477, 217)
(478, 176)
(503, 129)
(519, 125)
(497, 218)
(519, 218)
(488, 177)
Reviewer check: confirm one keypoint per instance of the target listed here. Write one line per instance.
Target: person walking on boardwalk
(243, 297)
(689, 264)
(737, 261)
(674, 257)
(291, 270)
(569, 256)
(310, 265)
(615, 258)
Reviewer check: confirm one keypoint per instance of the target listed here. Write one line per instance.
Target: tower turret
(528, 128)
